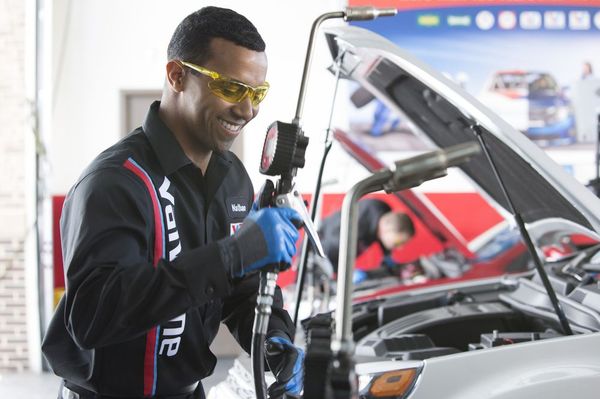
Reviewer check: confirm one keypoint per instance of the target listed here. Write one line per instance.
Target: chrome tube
(349, 14)
(308, 60)
(343, 341)
(407, 173)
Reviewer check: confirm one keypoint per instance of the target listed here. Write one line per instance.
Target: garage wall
(104, 47)
(13, 123)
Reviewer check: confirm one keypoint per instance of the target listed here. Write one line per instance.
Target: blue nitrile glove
(286, 362)
(267, 236)
(359, 276)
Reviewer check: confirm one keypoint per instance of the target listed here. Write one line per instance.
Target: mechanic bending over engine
(377, 223)
(158, 240)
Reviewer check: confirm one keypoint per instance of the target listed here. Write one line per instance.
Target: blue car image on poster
(532, 102)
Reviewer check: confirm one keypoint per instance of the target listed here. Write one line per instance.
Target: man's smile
(231, 126)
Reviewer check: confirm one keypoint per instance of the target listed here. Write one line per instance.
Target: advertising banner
(532, 62)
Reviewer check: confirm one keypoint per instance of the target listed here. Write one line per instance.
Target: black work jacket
(146, 284)
(369, 213)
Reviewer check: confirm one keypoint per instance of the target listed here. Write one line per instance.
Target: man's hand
(267, 236)
(359, 276)
(286, 361)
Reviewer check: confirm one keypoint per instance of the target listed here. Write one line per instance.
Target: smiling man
(158, 241)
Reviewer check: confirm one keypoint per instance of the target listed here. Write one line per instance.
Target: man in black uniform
(377, 223)
(158, 239)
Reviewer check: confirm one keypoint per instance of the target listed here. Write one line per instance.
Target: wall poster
(535, 63)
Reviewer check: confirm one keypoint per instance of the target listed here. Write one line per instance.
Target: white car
(492, 338)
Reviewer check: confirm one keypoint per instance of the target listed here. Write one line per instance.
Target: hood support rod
(564, 322)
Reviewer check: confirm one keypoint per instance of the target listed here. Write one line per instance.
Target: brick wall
(13, 120)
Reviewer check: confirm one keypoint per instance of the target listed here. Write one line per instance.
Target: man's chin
(224, 146)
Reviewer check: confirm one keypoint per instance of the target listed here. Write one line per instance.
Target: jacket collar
(168, 151)
(170, 154)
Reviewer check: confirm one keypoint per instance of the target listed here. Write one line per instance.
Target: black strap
(318, 354)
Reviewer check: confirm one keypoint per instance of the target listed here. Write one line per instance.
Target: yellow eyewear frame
(228, 89)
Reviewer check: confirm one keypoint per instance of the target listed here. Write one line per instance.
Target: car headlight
(562, 113)
(389, 384)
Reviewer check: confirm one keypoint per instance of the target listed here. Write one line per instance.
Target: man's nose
(245, 109)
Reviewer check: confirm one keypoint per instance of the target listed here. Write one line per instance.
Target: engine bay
(507, 311)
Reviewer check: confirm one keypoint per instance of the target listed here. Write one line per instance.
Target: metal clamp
(294, 200)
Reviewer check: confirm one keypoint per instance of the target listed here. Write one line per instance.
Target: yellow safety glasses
(231, 90)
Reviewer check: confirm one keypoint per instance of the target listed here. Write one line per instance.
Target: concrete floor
(29, 385)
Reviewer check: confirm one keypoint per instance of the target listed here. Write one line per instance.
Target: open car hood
(443, 114)
(430, 216)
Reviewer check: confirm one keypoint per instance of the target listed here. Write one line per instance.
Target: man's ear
(175, 75)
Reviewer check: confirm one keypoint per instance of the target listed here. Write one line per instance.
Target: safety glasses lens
(259, 94)
(228, 90)
(235, 92)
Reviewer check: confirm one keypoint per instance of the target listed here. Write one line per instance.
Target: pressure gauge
(283, 149)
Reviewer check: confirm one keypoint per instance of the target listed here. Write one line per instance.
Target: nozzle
(367, 13)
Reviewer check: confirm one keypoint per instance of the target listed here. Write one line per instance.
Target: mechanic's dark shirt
(369, 213)
(146, 284)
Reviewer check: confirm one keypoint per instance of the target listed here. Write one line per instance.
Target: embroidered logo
(233, 227)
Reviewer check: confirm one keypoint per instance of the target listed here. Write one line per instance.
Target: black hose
(258, 365)
(304, 255)
(264, 301)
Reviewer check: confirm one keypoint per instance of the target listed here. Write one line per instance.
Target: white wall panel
(103, 47)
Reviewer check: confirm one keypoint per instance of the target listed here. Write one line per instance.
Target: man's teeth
(230, 126)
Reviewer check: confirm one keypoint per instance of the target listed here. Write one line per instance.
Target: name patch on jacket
(237, 207)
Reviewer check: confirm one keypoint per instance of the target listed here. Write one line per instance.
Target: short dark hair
(399, 222)
(192, 37)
